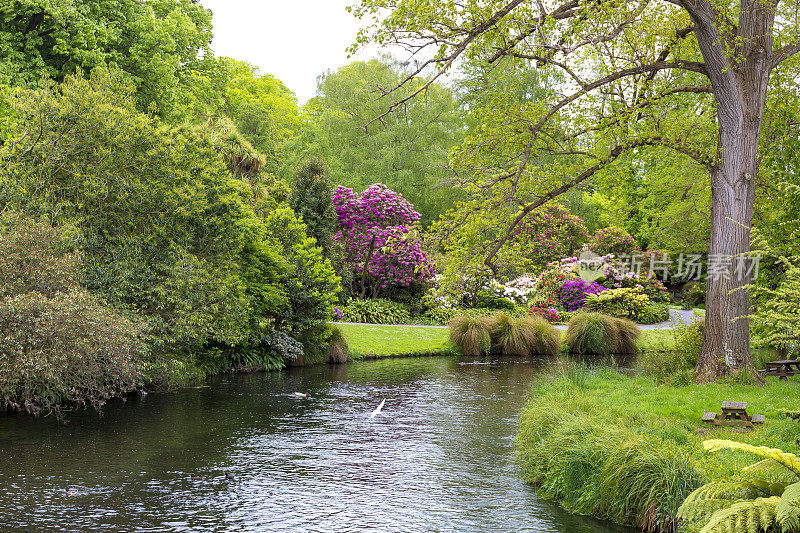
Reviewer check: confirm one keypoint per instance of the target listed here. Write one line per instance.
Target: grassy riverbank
(371, 340)
(385, 341)
(627, 449)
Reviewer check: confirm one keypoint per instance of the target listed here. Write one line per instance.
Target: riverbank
(372, 341)
(627, 449)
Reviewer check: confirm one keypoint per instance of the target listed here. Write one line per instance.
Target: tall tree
(157, 43)
(407, 150)
(630, 74)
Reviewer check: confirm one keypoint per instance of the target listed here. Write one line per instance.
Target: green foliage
(675, 365)
(407, 149)
(776, 319)
(309, 283)
(375, 311)
(654, 313)
(613, 240)
(311, 200)
(631, 303)
(596, 333)
(693, 294)
(60, 344)
(487, 300)
(337, 346)
(616, 470)
(471, 335)
(158, 44)
(753, 504)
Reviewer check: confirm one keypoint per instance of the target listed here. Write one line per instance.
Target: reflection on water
(244, 454)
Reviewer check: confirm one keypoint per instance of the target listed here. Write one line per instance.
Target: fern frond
(726, 490)
(789, 460)
(744, 517)
(701, 510)
(788, 510)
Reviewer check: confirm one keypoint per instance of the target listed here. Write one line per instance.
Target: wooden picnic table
(783, 369)
(733, 414)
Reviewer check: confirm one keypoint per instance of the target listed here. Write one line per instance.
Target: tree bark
(739, 68)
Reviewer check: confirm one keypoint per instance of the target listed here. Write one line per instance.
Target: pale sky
(294, 40)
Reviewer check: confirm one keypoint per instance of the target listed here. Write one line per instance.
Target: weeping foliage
(596, 333)
(752, 504)
(470, 335)
(524, 336)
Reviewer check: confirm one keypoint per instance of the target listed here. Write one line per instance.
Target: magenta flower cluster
(573, 293)
(376, 227)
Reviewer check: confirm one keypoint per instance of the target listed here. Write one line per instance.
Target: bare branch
(785, 52)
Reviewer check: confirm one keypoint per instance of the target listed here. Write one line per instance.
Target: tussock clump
(596, 333)
(470, 335)
(523, 336)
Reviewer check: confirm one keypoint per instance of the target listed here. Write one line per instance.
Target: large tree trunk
(740, 88)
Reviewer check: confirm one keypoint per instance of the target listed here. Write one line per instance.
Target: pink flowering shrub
(613, 240)
(545, 235)
(379, 240)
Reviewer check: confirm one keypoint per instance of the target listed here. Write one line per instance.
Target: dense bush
(311, 200)
(630, 303)
(613, 240)
(380, 243)
(337, 346)
(375, 311)
(596, 333)
(523, 336)
(546, 234)
(490, 301)
(548, 286)
(654, 313)
(693, 294)
(573, 293)
(58, 343)
(470, 335)
(71, 348)
(777, 319)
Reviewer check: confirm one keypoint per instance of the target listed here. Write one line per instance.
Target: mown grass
(391, 341)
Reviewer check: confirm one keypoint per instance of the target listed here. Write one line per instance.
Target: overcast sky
(294, 40)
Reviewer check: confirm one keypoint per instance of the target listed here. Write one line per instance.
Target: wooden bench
(709, 417)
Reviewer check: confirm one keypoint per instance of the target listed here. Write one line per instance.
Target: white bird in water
(378, 410)
(299, 395)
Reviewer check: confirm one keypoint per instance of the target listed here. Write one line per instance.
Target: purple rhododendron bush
(380, 240)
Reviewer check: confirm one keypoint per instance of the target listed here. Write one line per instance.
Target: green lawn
(385, 341)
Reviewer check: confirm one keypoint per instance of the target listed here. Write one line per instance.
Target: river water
(245, 454)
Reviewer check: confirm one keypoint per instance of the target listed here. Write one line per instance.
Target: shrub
(693, 294)
(573, 293)
(551, 315)
(628, 303)
(337, 347)
(71, 348)
(613, 240)
(490, 301)
(549, 285)
(439, 316)
(777, 317)
(654, 313)
(596, 333)
(470, 335)
(376, 311)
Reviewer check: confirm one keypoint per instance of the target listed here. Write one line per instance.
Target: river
(245, 454)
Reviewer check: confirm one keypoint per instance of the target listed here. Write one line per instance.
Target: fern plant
(750, 505)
